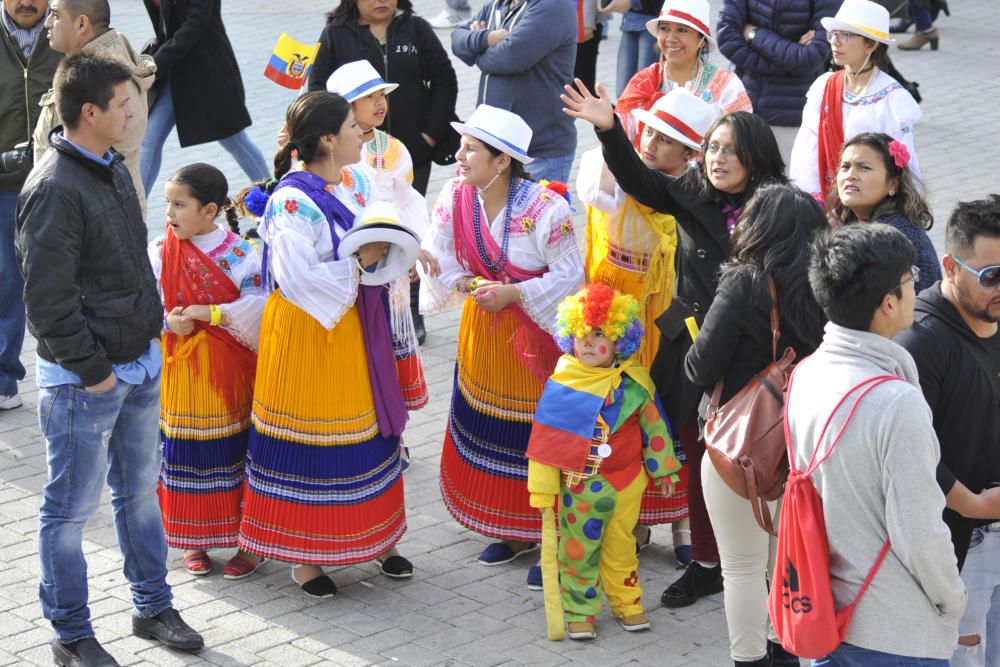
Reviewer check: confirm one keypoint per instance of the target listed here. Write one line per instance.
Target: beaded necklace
(691, 85)
(498, 265)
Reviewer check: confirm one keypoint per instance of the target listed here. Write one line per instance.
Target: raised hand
(580, 103)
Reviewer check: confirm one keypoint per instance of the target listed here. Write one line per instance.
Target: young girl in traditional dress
(859, 98)
(387, 163)
(509, 255)
(213, 297)
(323, 467)
(631, 247)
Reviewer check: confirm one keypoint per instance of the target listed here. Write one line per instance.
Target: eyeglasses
(728, 151)
(839, 36)
(914, 276)
(988, 276)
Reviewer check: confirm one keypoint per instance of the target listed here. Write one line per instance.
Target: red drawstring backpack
(801, 600)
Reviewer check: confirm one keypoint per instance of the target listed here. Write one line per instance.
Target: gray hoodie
(880, 483)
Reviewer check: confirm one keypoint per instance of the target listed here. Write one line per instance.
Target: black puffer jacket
(960, 377)
(413, 58)
(775, 69)
(81, 242)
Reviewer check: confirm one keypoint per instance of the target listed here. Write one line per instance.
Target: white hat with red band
(861, 17)
(692, 13)
(681, 116)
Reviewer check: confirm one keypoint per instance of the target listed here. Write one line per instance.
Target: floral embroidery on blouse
(874, 98)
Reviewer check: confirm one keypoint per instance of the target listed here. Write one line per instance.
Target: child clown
(599, 434)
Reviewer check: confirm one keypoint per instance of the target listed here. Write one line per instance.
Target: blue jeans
(89, 438)
(636, 51)
(11, 301)
(981, 575)
(161, 122)
(552, 168)
(922, 17)
(848, 655)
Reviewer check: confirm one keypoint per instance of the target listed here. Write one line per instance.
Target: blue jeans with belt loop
(90, 437)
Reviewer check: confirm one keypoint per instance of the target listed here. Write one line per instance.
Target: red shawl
(535, 346)
(189, 277)
(642, 91)
(831, 132)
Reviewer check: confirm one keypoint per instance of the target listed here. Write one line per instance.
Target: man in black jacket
(92, 304)
(955, 341)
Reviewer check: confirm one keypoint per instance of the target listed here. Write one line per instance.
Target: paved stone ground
(453, 611)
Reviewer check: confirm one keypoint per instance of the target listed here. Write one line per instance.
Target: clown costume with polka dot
(599, 434)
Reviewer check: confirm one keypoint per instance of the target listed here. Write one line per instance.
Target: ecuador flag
(290, 63)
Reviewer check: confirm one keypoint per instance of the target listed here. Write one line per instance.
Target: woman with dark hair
(768, 244)
(874, 184)
(740, 154)
(859, 98)
(324, 484)
(508, 256)
(404, 50)
(684, 37)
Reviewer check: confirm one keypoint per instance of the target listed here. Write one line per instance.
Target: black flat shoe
(169, 629)
(320, 587)
(83, 653)
(396, 567)
(697, 581)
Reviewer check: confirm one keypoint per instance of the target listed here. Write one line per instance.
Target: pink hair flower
(900, 154)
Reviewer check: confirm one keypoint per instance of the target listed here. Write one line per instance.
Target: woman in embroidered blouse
(323, 467)
(209, 280)
(684, 36)
(874, 184)
(859, 98)
(508, 255)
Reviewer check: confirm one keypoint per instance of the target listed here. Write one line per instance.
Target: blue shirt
(634, 20)
(50, 374)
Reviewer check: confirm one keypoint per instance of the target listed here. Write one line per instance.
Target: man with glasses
(955, 342)
(878, 484)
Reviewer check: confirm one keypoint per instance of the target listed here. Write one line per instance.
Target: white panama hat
(692, 13)
(679, 115)
(379, 222)
(861, 17)
(355, 80)
(501, 129)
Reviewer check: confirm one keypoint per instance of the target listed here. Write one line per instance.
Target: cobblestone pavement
(453, 611)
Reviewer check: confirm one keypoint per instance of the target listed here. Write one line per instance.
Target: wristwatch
(751, 35)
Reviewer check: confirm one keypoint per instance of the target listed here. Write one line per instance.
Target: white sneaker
(445, 21)
(10, 402)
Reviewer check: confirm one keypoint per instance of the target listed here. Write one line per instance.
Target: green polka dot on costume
(604, 505)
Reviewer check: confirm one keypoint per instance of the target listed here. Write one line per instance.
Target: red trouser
(703, 546)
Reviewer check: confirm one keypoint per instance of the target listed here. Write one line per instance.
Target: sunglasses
(988, 276)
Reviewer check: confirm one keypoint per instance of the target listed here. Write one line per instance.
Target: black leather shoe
(418, 319)
(777, 656)
(83, 653)
(697, 581)
(169, 629)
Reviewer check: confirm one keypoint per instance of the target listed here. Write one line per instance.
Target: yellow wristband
(216, 315)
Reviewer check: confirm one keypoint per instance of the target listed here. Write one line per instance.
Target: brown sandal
(197, 563)
(240, 567)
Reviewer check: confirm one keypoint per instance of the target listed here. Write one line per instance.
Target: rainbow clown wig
(598, 306)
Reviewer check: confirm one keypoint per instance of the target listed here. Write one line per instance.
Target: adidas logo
(798, 604)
